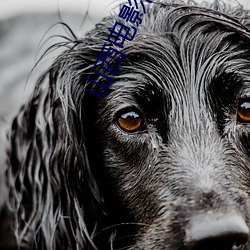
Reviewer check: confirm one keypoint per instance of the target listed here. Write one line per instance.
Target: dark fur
(76, 181)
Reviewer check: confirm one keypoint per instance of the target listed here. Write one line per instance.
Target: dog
(160, 162)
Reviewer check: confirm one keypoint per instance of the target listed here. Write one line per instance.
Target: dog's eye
(130, 121)
(243, 113)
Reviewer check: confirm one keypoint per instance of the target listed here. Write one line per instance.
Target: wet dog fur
(76, 180)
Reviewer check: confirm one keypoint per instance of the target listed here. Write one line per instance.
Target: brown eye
(243, 113)
(130, 121)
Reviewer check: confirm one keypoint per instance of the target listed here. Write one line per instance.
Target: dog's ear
(52, 191)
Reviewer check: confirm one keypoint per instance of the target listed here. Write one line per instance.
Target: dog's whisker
(119, 225)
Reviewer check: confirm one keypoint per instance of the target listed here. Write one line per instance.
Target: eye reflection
(130, 121)
(243, 112)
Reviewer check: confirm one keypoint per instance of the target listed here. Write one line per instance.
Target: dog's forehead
(184, 51)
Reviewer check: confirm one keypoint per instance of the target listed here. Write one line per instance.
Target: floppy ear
(51, 186)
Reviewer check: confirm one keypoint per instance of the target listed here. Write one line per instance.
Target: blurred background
(25, 26)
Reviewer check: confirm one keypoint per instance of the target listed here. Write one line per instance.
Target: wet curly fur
(77, 181)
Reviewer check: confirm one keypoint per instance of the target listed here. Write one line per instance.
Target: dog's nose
(217, 232)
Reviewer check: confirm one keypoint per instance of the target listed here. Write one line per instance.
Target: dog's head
(162, 160)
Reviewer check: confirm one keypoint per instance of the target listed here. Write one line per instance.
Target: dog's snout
(217, 232)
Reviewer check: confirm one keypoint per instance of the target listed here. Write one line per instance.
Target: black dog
(161, 162)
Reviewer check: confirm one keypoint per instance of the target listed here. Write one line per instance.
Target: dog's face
(160, 162)
(174, 132)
